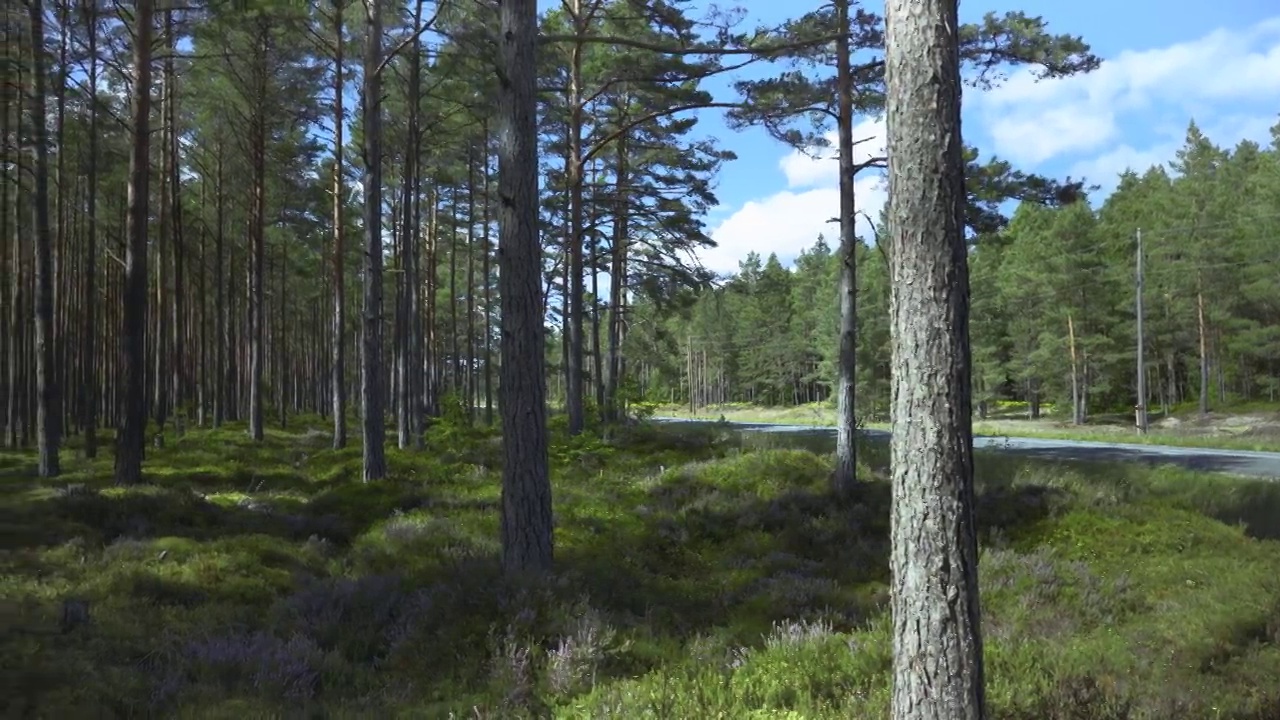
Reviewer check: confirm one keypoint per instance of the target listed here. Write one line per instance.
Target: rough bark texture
(846, 386)
(131, 440)
(526, 483)
(373, 421)
(937, 665)
(48, 403)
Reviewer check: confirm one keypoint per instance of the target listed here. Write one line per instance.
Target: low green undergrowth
(699, 576)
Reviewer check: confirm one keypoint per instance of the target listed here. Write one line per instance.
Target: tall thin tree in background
(373, 421)
(339, 369)
(131, 440)
(847, 353)
(88, 362)
(527, 543)
(48, 400)
(937, 643)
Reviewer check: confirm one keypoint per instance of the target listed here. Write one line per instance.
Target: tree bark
(575, 392)
(618, 281)
(178, 318)
(486, 251)
(221, 333)
(374, 422)
(937, 643)
(48, 403)
(1203, 333)
(88, 378)
(131, 440)
(845, 478)
(527, 541)
(258, 253)
(339, 349)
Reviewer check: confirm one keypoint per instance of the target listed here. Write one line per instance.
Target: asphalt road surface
(1237, 462)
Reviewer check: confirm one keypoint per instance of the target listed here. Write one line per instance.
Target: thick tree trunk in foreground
(373, 421)
(937, 643)
(526, 483)
(48, 402)
(131, 439)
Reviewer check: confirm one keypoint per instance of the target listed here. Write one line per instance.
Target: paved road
(1238, 462)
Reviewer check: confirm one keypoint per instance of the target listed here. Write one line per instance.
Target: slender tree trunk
(258, 260)
(178, 359)
(618, 280)
(937, 641)
(9, 267)
(282, 341)
(88, 361)
(339, 349)
(60, 274)
(469, 381)
(527, 540)
(845, 478)
(1076, 418)
(410, 378)
(1203, 333)
(48, 406)
(374, 421)
(131, 440)
(597, 357)
(575, 395)
(221, 331)
(160, 339)
(486, 251)
(431, 360)
(202, 337)
(455, 364)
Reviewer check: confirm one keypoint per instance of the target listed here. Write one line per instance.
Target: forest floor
(699, 576)
(1246, 427)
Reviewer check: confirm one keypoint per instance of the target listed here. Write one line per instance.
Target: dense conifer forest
(1053, 294)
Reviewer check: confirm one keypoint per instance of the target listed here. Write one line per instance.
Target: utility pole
(1141, 407)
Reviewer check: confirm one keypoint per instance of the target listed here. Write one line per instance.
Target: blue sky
(1165, 62)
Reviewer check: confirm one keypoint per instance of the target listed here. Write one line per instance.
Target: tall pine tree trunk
(1203, 332)
(178, 318)
(221, 332)
(258, 252)
(527, 542)
(486, 252)
(339, 349)
(88, 361)
(131, 440)
(48, 404)
(845, 477)
(374, 420)
(937, 642)
(575, 391)
(618, 280)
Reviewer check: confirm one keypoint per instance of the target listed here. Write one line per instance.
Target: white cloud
(1031, 121)
(790, 221)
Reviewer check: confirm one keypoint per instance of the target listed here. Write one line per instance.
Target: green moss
(698, 576)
